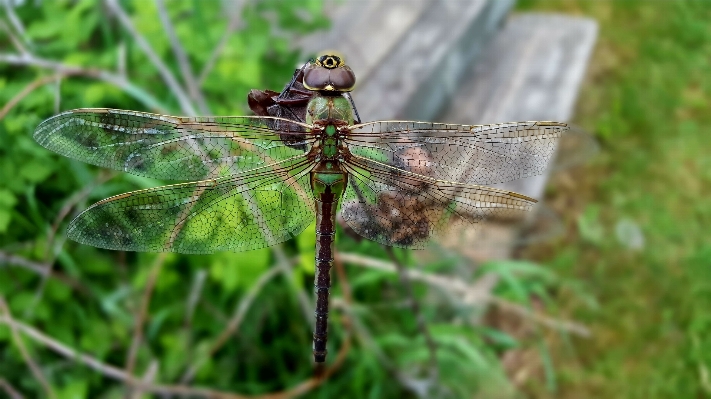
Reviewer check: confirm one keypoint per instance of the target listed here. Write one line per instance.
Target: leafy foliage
(92, 300)
(648, 95)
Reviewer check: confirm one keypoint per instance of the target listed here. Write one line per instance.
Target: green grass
(647, 97)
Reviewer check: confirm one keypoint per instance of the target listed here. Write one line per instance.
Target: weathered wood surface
(532, 70)
(408, 55)
(462, 62)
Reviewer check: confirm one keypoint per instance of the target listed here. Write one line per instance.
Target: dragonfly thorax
(329, 108)
(330, 116)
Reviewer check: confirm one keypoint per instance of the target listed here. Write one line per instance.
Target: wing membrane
(403, 209)
(169, 147)
(471, 154)
(255, 209)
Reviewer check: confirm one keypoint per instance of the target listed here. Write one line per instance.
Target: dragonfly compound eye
(330, 74)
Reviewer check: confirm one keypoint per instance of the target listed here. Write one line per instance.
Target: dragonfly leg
(355, 110)
(283, 94)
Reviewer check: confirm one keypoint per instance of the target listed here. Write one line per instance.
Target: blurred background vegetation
(634, 264)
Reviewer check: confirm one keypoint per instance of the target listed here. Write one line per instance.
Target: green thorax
(324, 108)
(329, 112)
(328, 179)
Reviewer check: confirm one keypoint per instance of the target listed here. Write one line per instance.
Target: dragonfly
(251, 182)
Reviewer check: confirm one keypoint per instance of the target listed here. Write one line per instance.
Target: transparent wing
(471, 154)
(169, 147)
(403, 209)
(255, 209)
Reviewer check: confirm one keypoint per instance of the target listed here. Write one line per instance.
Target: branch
(16, 22)
(196, 289)
(143, 312)
(364, 335)
(40, 268)
(103, 177)
(120, 375)
(420, 320)
(182, 58)
(13, 38)
(166, 74)
(284, 265)
(117, 80)
(109, 370)
(25, 353)
(233, 324)
(195, 292)
(10, 390)
(234, 24)
(468, 293)
(32, 86)
(14, 260)
(148, 377)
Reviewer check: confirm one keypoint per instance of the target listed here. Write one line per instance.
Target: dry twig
(168, 77)
(13, 38)
(234, 322)
(32, 86)
(142, 314)
(307, 308)
(468, 294)
(16, 24)
(234, 24)
(16, 260)
(403, 272)
(182, 58)
(40, 268)
(11, 392)
(148, 377)
(194, 296)
(121, 375)
(117, 80)
(36, 372)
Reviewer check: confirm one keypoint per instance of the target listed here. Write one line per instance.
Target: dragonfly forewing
(471, 154)
(169, 147)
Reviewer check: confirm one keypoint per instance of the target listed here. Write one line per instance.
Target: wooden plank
(365, 31)
(408, 55)
(532, 70)
(415, 58)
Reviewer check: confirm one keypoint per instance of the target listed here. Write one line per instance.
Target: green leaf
(36, 171)
(57, 290)
(75, 389)
(589, 226)
(307, 250)
(500, 338)
(233, 270)
(5, 218)
(519, 267)
(465, 348)
(97, 339)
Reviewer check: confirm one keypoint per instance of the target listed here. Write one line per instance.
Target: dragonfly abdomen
(328, 182)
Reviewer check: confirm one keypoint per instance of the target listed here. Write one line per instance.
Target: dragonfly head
(329, 74)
